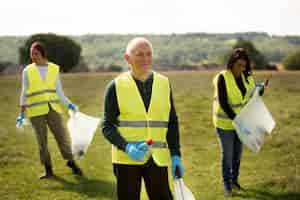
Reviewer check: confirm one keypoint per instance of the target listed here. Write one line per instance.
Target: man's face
(140, 58)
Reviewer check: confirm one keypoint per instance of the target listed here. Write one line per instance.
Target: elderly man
(138, 107)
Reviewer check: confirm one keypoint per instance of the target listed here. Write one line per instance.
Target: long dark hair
(240, 53)
(40, 47)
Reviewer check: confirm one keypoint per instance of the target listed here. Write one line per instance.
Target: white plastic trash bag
(253, 122)
(181, 191)
(82, 129)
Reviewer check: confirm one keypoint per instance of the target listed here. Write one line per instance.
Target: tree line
(174, 51)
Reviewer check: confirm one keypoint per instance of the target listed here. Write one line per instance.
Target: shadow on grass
(266, 194)
(85, 186)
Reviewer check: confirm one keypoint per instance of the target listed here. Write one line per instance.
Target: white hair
(134, 42)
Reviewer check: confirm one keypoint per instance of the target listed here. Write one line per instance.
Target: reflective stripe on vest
(233, 105)
(224, 116)
(40, 92)
(142, 124)
(135, 124)
(156, 144)
(42, 103)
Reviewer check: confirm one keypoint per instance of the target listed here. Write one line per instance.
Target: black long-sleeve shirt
(112, 111)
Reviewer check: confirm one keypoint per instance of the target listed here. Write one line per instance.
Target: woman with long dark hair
(40, 102)
(233, 88)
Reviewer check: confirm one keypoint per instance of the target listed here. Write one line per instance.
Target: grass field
(272, 174)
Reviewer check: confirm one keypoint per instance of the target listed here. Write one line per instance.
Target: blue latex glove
(73, 107)
(177, 167)
(136, 151)
(261, 88)
(143, 146)
(244, 129)
(20, 119)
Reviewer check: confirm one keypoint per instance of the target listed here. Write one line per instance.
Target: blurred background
(186, 35)
(192, 40)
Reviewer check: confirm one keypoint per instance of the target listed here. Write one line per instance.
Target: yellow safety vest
(135, 124)
(41, 92)
(234, 96)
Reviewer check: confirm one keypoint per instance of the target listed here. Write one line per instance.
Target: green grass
(272, 174)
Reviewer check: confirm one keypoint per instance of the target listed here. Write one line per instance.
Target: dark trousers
(129, 179)
(231, 148)
(54, 121)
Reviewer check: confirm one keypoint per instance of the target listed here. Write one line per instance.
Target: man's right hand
(136, 151)
(177, 167)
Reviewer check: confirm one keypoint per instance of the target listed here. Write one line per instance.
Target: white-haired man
(138, 107)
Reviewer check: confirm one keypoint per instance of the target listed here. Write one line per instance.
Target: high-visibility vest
(135, 124)
(234, 97)
(41, 92)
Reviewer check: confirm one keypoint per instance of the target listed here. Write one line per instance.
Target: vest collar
(146, 80)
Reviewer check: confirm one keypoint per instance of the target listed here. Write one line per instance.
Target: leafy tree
(101, 51)
(292, 61)
(2, 67)
(114, 68)
(60, 49)
(258, 60)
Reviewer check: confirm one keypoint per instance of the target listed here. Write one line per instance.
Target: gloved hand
(20, 119)
(73, 107)
(137, 150)
(261, 88)
(177, 167)
(244, 129)
(142, 145)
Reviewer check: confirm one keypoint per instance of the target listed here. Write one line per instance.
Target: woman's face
(36, 56)
(238, 67)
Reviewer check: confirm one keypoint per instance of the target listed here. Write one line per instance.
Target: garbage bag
(182, 192)
(82, 128)
(253, 122)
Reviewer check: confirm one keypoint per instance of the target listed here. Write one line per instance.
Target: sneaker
(75, 169)
(236, 186)
(227, 193)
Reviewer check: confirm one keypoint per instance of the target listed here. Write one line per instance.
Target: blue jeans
(231, 148)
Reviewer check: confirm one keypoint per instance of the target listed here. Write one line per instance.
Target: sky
(67, 17)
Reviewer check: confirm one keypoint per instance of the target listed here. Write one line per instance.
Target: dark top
(111, 113)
